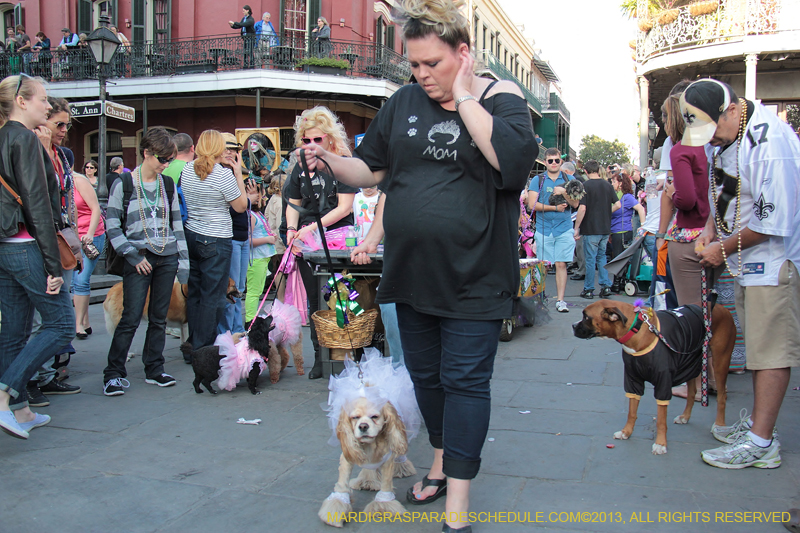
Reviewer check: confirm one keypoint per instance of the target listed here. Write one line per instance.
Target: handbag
(90, 251)
(69, 245)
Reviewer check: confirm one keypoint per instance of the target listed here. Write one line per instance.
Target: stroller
(638, 269)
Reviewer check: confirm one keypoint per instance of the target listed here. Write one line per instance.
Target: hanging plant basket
(668, 17)
(645, 25)
(632, 44)
(706, 7)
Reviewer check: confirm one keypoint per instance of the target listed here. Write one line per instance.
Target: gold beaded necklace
(722, 228)
(140, 194)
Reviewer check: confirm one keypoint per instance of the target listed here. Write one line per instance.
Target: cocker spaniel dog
(373, 417)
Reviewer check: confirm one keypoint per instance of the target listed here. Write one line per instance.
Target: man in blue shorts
(555, 238)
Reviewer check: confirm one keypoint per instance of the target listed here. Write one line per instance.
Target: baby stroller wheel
(507, 331)
(631, 288)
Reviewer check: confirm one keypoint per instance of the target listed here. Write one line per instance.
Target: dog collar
(633, 330)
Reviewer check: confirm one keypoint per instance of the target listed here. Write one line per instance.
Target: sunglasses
(19, 83)
(61, 125)
(315, 140)
(90, 167)
(164, 160)
(551, 161)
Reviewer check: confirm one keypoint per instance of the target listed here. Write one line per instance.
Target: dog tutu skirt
(286, 319)
(382, 382)
(238, 361)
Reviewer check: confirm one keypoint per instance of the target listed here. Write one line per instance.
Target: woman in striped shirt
(209, 189)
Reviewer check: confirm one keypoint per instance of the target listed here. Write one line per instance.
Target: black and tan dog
(647, 358)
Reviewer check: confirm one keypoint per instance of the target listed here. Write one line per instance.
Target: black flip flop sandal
(441, 490)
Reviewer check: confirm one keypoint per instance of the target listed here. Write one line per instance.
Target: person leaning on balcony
(69, 40)
(322, 38)
(452, 153)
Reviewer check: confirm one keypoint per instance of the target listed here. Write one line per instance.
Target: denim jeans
(451, 362)
(47, 372)
(81, 281)
(209, 266)
(23, 282)
(134, 293)
(389, 319)
(240, 260)
(594, 249)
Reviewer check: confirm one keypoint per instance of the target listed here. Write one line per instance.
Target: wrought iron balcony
(493, 64)
(711, 22)
(557, 104)
(213, 54)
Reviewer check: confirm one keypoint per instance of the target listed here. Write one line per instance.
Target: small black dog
(206, 360)
(574, 190)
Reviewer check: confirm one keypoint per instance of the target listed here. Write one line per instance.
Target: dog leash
(706, 337)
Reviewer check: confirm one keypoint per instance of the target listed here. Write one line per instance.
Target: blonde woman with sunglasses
(30, 263)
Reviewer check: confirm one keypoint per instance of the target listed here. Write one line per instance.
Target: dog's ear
(351, 449)
(394, 431)
(613, 314)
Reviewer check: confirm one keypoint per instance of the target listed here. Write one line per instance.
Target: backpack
(182, 202)
(115, 263)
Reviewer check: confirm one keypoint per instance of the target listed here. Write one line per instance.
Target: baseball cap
(702, 103)
(65, 30)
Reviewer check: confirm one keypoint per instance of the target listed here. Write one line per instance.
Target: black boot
(316, 370)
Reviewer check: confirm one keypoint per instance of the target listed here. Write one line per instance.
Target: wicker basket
(668, 17)
(699, 9)
(357, 334)
(645, 25)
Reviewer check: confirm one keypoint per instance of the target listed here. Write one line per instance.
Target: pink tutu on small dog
(286, 319)
(238, 361)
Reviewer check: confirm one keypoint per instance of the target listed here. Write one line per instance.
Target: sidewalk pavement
(168, 459)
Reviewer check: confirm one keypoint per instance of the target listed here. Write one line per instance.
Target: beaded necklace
(722, 227)
(153, 208)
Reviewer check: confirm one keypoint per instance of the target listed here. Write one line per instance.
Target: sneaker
(9, 424)
(561, 306)
(35, 396)
(62, 373)
(164, 380)
(605, 292)
(38, 421)
(116, 387)
(743, 453)
(588, 294)
(57, 387)
(730, 434)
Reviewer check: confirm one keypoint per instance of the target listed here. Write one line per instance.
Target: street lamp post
(652, 132)
(103, 44)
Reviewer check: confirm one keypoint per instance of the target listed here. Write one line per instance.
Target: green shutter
(281, 25)
(314, 11)
(19, 15)
(390, 37)
(84, 17)
(138, 21)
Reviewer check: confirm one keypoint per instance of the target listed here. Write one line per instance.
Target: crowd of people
(188, 213)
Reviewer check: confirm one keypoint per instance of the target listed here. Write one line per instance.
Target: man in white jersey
(754, 159)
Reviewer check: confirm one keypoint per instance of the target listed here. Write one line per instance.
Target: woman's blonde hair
(209, 147)
(674, 125)
(324, 21)
(442, 18)
(603, 173)
(327, 122)
(8, 93)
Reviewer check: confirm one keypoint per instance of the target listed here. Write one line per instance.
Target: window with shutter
(138, 8)
(162, 16)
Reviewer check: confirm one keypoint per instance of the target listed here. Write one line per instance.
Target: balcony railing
(492, 63)
(712, 22)
(215, 54)
(557, 104)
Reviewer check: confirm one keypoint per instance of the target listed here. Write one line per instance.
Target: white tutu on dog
(382, 383)
(238, 361)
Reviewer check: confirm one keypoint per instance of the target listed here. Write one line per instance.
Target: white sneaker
(561, 306)
(730, 434)
(743, 453)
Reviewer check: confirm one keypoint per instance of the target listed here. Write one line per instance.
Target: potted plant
(324, 65)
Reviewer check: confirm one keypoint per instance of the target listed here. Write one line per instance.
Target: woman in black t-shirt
(317, 127)
(452, 153)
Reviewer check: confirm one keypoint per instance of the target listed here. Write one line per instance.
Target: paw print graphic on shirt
(412, 119)
(412, 132)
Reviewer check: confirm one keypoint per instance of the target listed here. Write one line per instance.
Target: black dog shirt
(683, 328)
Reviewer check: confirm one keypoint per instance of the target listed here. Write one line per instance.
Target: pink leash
(284, 259)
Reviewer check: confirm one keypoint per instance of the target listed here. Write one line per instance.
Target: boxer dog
(648, 358)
